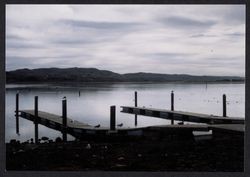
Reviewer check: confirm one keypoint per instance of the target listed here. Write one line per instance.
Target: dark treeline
(96, 75)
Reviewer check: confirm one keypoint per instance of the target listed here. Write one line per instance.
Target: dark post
(224, 106)
(135, 106)
(172, 106)
(36, 119)
(17, 113)
(112, 117)
(64, 116)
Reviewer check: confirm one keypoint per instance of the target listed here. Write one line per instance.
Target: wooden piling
(135, 106)
(36, 119)
(224, 105)
(172, 107)
(64, 117)
(17, 113)
(112, 118)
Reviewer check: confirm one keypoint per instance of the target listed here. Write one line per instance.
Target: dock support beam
(172, 107)
(17, 113)
(64, 117)
(224, 105)
(36, 119)
(135, 106)
(112, 118)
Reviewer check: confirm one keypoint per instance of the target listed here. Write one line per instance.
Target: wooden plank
(57, 119)
(229, 127)
(193, 127)
(183, 116)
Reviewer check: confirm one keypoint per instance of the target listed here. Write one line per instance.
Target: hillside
(95, 75)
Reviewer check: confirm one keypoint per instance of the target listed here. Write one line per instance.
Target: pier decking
(53, 121)
(182, 116)
(79, 129)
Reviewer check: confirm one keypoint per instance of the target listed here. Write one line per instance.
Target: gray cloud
(44, 57)
(13, 37)
(236, 34)
(22, 45)
(99, 25)
(202, 35)
(168, 55)
(184, 22)
(15, 62)
(235, 15)
(66, 41)
(163, 39)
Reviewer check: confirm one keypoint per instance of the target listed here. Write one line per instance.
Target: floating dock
(182, 116)
(79, 129)
(200, 122)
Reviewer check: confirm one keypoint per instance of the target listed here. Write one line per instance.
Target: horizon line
(123, 73)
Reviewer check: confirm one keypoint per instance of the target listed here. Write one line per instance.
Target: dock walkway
(79, 129)
(182, 116)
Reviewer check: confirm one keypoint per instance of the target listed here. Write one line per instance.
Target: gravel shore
(223, 153)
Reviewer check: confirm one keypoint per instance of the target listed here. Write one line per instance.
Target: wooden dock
(79, 129)
(182, 116)
(66, 125)
(53, 121)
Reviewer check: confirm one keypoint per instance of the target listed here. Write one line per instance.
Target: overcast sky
(173, 39)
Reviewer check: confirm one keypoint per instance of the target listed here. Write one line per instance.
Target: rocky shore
(220, 153)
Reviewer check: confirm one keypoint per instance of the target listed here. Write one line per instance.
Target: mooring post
(112, 118)
(224, 105)
(36, 119)
(135, 106)
(64, 116)
(17, 113)
(172, 107)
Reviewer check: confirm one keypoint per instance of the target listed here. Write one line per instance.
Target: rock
(77, 155)
(58, 140)
(44, 138)
(121, 158)
(120, 165)
(88, 146)
(20, 151)
(13, 141)
(29, 147)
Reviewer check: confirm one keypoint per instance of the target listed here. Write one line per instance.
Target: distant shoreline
(124, 82)
(93, 75)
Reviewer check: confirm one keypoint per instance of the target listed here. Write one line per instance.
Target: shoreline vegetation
(93, 75)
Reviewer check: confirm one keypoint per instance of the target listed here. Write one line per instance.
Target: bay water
(90, 103)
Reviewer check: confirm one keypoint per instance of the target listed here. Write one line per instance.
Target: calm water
(93, 104)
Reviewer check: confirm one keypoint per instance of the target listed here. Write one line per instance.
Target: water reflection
(93, 104)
